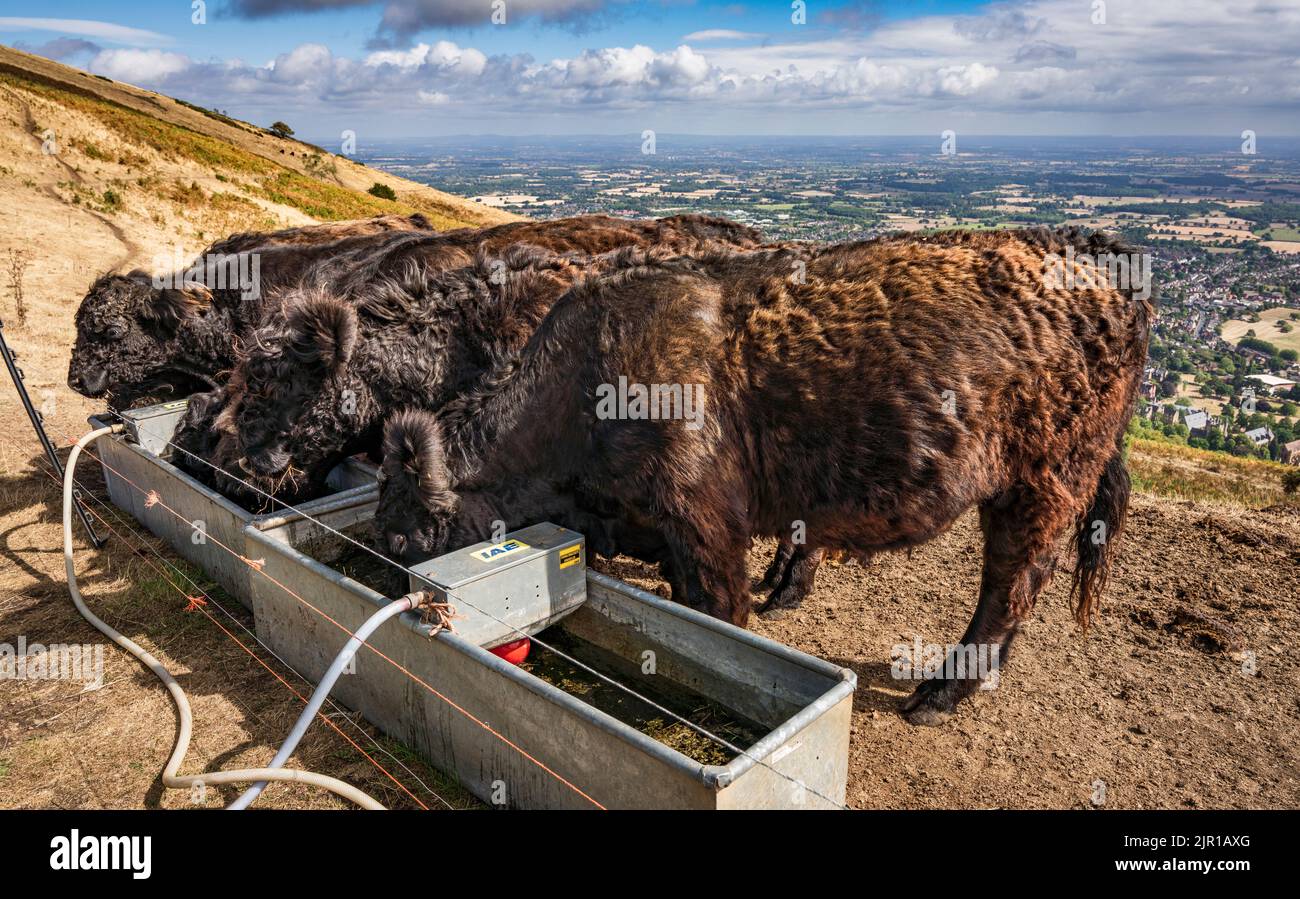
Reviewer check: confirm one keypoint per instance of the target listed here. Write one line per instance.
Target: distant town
(1220, 220)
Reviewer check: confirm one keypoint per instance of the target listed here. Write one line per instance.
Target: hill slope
(141, 129)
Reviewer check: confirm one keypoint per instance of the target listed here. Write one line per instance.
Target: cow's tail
(1096, 535)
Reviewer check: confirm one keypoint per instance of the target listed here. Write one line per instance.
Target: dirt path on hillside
(130, 249)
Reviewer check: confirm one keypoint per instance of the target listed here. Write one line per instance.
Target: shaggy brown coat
(415, 324)
(874, 392)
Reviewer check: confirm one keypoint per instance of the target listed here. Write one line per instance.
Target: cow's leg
(668, 571)
(776, 572)
(708, 544)
(798, 582)
(1020, 532)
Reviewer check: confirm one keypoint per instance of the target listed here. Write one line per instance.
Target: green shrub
(1291, 481)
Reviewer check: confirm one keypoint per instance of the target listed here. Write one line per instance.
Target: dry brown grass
(62, 747)
(1183, 472)
(176, 131)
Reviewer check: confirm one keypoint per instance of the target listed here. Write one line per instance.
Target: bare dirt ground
(1154, 702)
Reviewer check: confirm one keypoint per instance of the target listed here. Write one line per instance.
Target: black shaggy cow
(141, 337)
(876, 395)
(138, 336)
(333, 359)
(210, 455)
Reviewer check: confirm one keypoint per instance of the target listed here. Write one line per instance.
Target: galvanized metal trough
(509, 736)
(212, 521)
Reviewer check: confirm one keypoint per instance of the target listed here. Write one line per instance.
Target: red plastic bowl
(513, 652)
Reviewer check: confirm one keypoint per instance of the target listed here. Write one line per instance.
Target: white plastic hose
(397, 607)
(170, 778)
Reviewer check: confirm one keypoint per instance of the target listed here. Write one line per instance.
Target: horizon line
(918, 135)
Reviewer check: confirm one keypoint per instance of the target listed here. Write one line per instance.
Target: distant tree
(280, 129)
(1251, 342)
(383, 191)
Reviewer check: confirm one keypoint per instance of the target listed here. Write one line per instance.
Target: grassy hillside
(137, 138)
(1182, 472)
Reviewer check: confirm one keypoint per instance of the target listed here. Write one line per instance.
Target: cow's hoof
(788, 597)
(930, 704)
(925, 716)
(772, 610)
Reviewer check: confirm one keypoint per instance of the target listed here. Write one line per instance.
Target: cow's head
(206, 450)
(417, 507)
(128, 338)
(296, 404)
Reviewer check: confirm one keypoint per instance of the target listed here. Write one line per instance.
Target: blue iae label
(497, 550)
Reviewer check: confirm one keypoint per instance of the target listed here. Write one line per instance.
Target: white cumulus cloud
(139, 66)
(1022, 58)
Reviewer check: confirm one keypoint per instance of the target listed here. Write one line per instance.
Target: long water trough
(627, 700)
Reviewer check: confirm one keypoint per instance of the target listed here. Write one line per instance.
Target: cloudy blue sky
(418, 68)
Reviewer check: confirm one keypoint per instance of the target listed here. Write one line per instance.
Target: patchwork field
(1267, 328)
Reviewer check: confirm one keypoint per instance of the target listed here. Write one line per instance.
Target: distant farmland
(1265, 329)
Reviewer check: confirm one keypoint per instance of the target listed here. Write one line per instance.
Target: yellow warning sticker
(497, 550)
(571, 555)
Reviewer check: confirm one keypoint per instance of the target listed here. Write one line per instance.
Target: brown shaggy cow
(324, 232)
(415, 324)
(875, 392)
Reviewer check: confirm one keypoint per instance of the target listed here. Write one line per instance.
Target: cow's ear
(324, 328)
(413, 453)
(172, 305)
